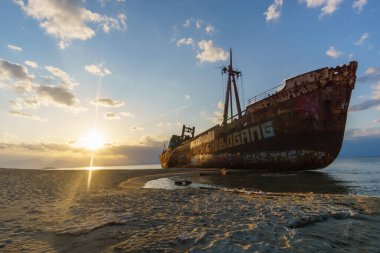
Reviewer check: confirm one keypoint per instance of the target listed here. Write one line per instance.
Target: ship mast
(231, 82)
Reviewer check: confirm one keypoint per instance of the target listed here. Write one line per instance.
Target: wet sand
(55, 211)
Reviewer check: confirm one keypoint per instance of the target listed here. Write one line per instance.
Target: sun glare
(92, 140)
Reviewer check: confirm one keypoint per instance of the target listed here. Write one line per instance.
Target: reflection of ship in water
(298, 125)
(305, 181)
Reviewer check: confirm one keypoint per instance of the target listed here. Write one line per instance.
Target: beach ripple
(45, 211)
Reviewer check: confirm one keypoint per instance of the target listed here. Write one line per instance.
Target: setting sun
(92, 140)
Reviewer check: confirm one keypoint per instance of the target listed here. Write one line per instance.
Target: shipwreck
(298, 125)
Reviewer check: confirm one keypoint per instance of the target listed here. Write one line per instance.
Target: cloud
(376, 121)
(6, 137)
(9, 71)
(161, 124)
(372, 74)
(25, 102)
(333, 53)
(31, 64)
(107, 102)
(274, 11)
(359, 4)
(26, 115)
(14, 48)
(67, 81)
(362, 39)
(210, 53)
(365, 105)
(64, 155)
(217, 116)
(127, 114)
(23, 87)
(59, 96)
(187, 97)
(35, 94)
(104, 2)
(198, 23)
(137, 128)
(68, 20)
(185, 41)
(153, 140)
(111, 116)
(220, 105)
(328, 6)
(97, 70)
(188, 22)
(210, 30)
(362, 132)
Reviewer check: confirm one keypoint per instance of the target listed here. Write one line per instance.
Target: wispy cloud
(25, 102)
(14, 48)
(97, 69)
(127, 114)
(31, 64)
(185, 41)
(220, 105)
(199, 23)
(210, 30)
(117, 115)
(333, 53)
(217, 116)
(358, 5)
(274, 11)
(68, 20)
(365, 105)
(107, 102)
(67, 81)
(328, 7)
(187, 97)
(210, 53)
(26, 115)
(162, 124)
(362, 39)
(372, 76)
(188, 22)
(111, 116)
(137, 128)
(362, 132)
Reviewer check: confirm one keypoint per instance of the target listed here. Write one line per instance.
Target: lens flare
(92, 140)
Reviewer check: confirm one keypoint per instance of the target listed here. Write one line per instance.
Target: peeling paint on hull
(300, 127)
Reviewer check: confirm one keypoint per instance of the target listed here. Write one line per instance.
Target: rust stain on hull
(299, 127)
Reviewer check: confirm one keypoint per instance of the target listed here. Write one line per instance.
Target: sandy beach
(56, 211)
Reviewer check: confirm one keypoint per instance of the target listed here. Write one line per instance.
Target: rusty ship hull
(300, 127)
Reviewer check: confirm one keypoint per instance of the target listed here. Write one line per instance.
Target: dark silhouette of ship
(298, 125)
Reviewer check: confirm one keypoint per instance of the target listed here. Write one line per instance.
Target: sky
(124, 75)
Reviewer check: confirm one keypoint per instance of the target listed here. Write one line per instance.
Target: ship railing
(266, 94)
(231, 119)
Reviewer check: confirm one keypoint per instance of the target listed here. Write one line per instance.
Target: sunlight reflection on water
(128, 167)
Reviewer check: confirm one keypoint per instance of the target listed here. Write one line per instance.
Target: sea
(353, 175)
(96, 209)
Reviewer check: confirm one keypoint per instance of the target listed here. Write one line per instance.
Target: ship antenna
(231, 82)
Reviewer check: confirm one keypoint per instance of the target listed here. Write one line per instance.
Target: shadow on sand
(306, 181)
